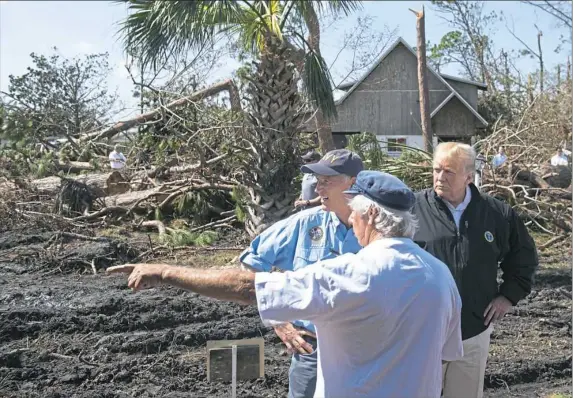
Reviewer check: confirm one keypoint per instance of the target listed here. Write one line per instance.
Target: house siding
(387, 101)
(454, 120)
(412, 141)
(468, 92)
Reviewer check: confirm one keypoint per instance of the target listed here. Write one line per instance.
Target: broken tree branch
(227, 85)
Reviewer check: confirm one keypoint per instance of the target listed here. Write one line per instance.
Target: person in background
(559, 159)
(312, 235)
(116, 159)
(499, 159)
(386, 317)
(497, 237)
(480, 165)
(308, 197)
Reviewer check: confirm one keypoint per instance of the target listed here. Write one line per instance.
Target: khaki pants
(464, 378)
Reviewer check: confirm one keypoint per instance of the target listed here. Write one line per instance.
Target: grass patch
(111, 232)
(182, 237)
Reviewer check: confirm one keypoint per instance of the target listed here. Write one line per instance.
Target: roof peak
(400, 40)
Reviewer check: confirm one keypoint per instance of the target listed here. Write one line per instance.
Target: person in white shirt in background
(499, 159)
(559, 159)
(116, 159)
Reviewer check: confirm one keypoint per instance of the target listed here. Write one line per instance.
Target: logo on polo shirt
(315, 234)
(488, 236)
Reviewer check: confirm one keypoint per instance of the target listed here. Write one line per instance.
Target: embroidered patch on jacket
(488, 236)
(316, 234)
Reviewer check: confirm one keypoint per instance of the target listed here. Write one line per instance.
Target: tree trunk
(507, 86)
(227, 85)
(74, 167)
(541, 65)
(268, 191)
(324, 133)
(423, 82)
(529, 88)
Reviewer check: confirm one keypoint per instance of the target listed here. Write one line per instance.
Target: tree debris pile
(540, 192)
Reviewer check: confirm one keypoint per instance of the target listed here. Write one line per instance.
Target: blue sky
(78, 27)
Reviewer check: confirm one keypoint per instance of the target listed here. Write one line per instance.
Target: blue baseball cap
(384, 189)
(336, 162)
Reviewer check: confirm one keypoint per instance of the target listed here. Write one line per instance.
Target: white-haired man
(385, 317)
(497, 236)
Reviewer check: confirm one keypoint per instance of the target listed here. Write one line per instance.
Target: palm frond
(259, 20)
(334, 6)
(338, 6)
(317, 83)
(251, 30)
(159, 29)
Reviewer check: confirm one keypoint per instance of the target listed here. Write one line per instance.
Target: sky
(82, 27)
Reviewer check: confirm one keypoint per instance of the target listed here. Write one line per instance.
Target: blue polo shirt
(302, 239)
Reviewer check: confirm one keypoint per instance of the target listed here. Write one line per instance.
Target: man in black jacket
(497, 237)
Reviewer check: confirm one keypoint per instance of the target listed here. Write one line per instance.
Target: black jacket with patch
(490, 234)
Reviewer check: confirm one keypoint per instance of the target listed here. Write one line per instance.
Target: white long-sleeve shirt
(117, 160)
(385, 319)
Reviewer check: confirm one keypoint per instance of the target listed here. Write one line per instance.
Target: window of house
(392, 147)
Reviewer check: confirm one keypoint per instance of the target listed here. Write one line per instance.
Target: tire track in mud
(126, 312)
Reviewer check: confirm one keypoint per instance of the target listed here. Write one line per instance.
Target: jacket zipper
(458, 265)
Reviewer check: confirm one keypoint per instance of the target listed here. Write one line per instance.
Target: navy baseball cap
(384, 189)
(336, 162)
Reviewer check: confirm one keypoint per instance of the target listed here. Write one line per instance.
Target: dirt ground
(65, 332)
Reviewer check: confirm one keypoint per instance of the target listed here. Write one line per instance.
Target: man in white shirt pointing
(385, 317)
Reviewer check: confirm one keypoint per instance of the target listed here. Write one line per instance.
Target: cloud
(85, 47)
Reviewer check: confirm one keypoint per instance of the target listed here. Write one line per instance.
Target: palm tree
(161, 29)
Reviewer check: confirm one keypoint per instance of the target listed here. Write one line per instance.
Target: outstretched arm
(228, 285)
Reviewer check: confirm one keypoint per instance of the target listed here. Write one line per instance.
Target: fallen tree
(227, 85)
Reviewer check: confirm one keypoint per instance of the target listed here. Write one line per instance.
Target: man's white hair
(463, 154)
(389, 222)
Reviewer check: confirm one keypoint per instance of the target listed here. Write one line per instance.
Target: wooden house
(385, 101)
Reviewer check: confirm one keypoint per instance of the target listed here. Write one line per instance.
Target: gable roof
(479, 85)
(483, 86)
(454, 93)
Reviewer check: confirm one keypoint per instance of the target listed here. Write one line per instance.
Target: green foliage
(182, 237)
(367, 146)
(158, 215)
(413, 166)
(193, 203)
(56, 97)
(239, 196)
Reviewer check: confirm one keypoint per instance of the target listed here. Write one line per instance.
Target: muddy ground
(65, 332)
